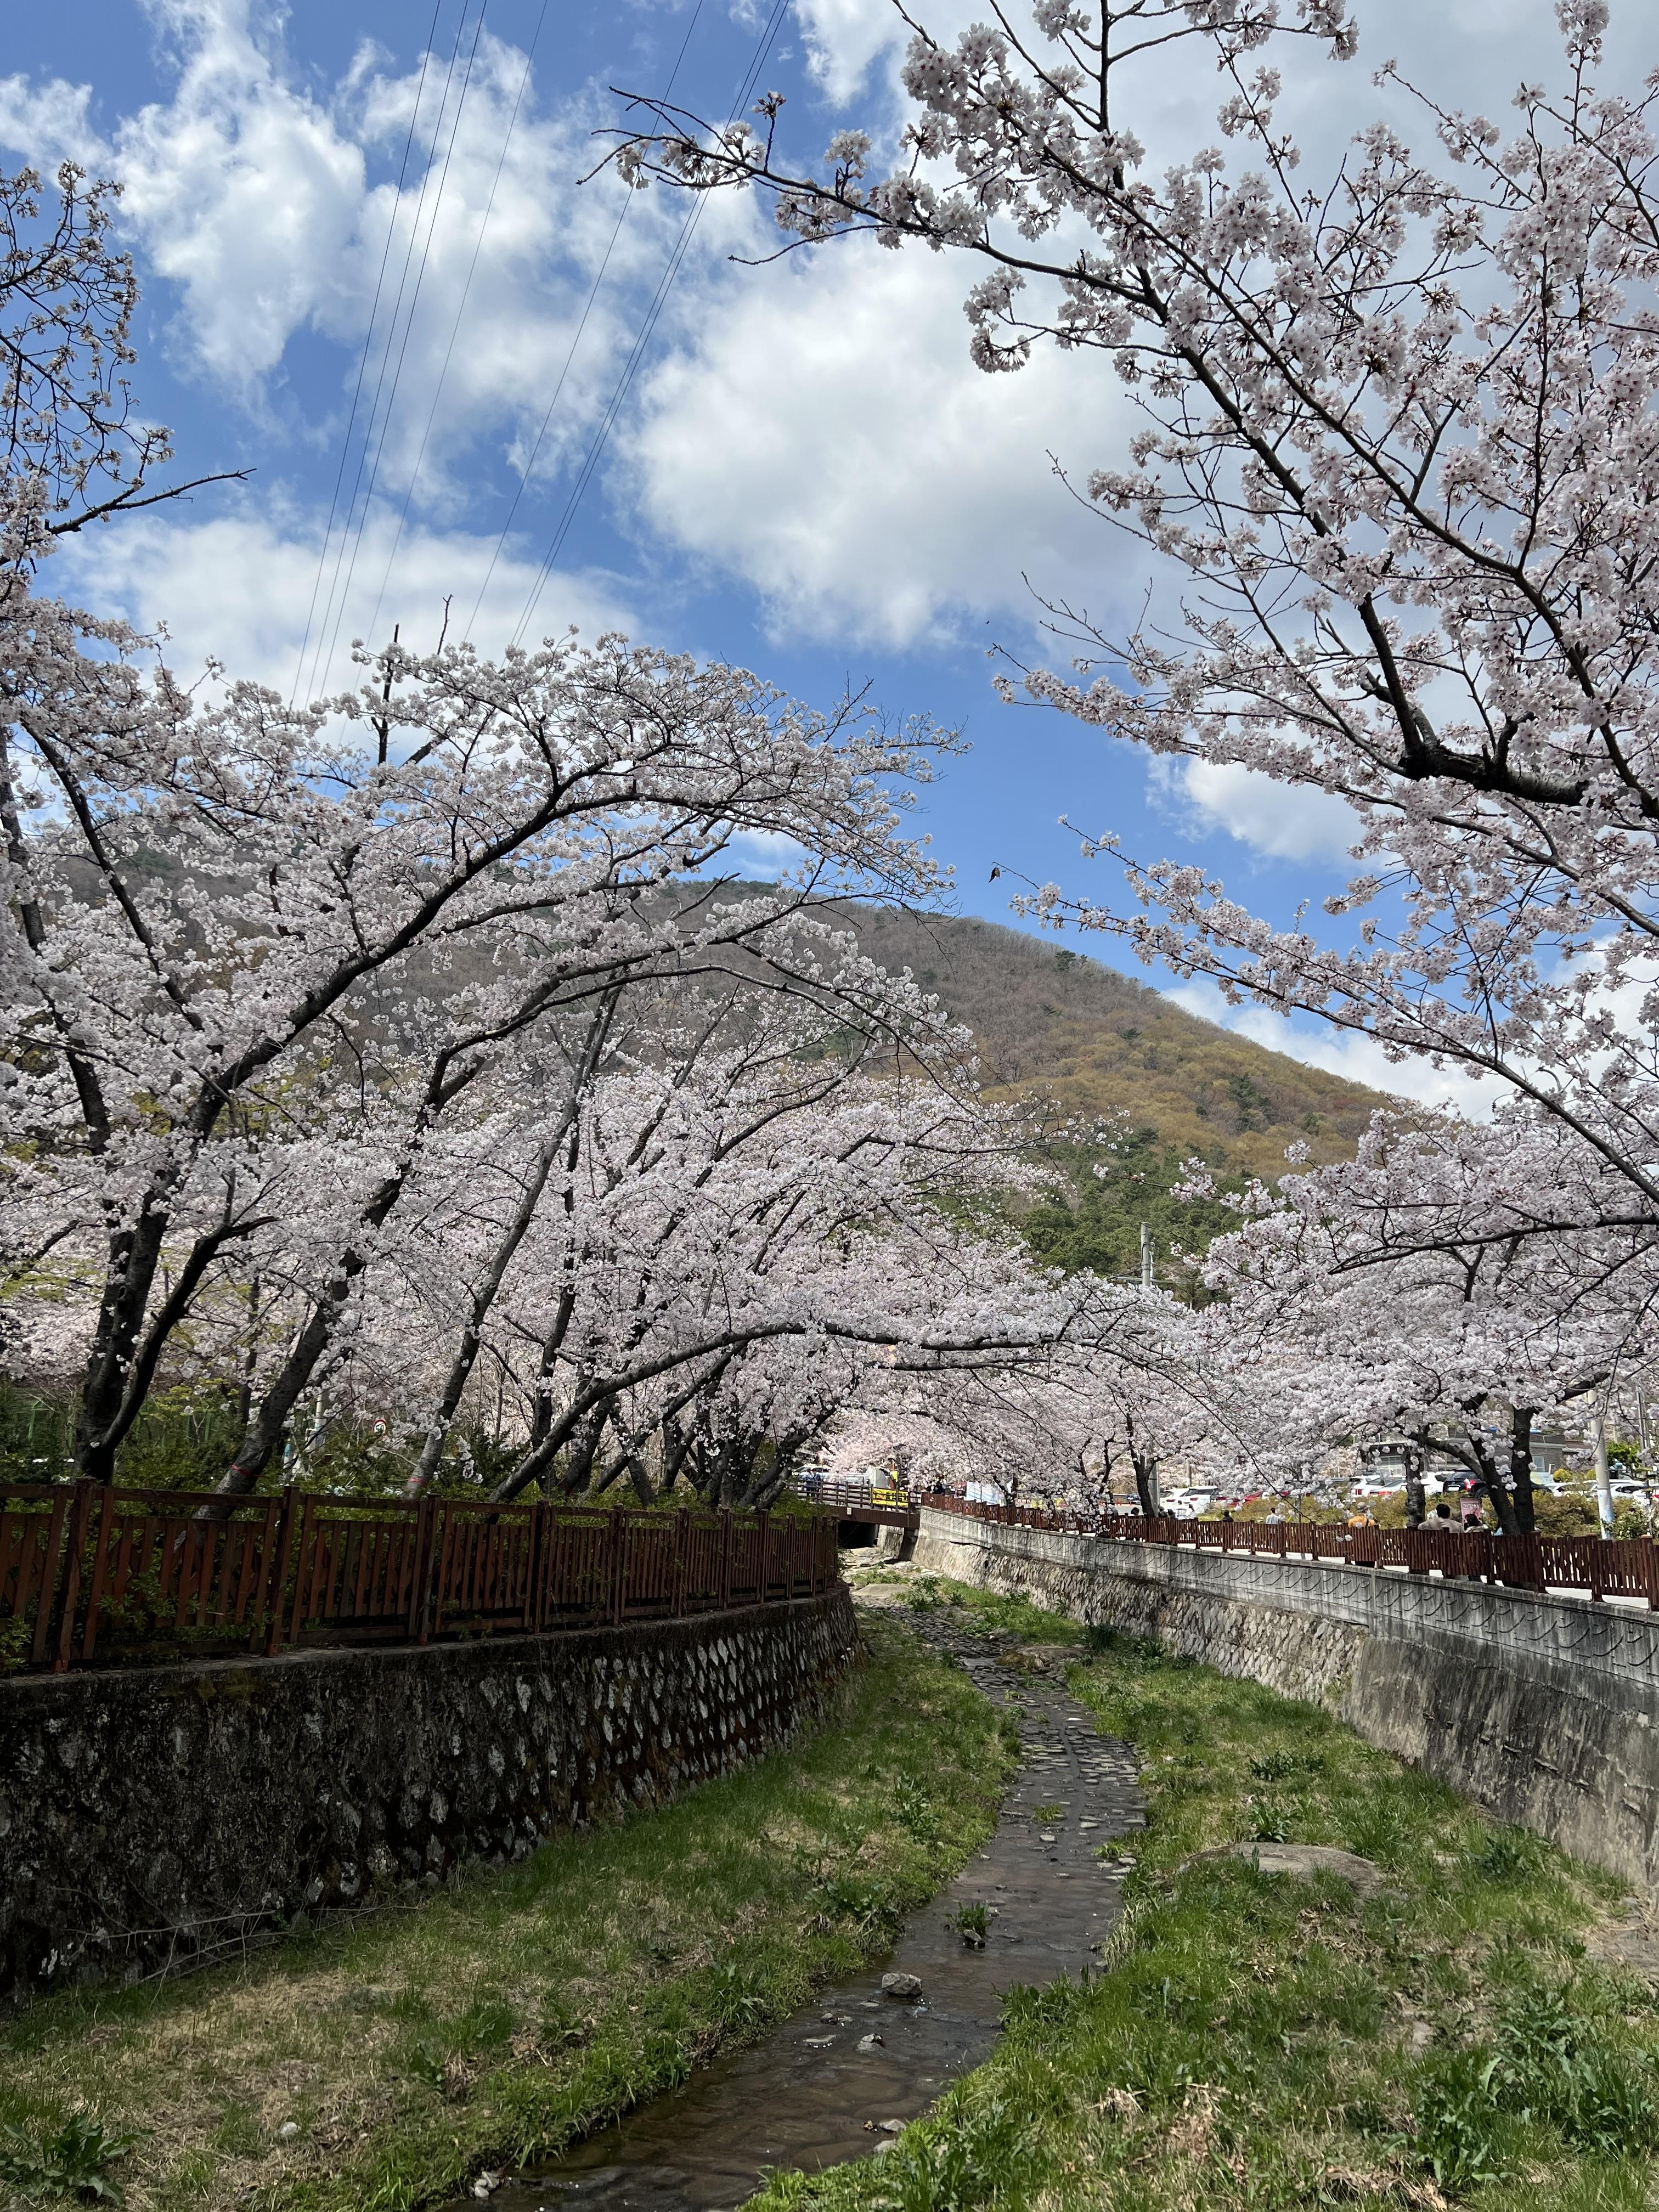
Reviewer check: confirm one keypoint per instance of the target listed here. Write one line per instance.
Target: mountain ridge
(1051, 1021)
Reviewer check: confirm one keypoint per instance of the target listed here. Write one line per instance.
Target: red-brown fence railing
(87, 1571)
(1626, 1566)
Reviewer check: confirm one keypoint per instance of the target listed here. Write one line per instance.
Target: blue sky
(802, 473)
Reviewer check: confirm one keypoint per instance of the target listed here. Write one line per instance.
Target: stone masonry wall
(1545, 1709)
(171, 1810)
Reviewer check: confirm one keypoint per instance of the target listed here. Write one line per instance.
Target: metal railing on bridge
(1620, 1567)
(89, 1570)
(860, 1500)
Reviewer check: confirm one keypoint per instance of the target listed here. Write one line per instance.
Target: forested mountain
(1048, 1018)
(1051, 1020)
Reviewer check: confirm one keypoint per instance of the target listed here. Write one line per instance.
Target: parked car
(1393, 1485)
(1188, 1504)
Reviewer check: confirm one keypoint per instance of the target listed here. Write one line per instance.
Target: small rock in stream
(901, 1986)
(873, 2043)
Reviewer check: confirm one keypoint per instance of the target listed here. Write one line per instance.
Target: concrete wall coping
(183, 1675)
(1572, 1640)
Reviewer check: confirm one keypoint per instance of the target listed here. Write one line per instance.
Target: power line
(385, 349)
(637, 353)
(570, 352)
(460, 310)
(408, 325)
(368, 341)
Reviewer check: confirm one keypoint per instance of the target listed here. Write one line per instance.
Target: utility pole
(1415, 1501)
(1145, 1257)
(1603, 1480)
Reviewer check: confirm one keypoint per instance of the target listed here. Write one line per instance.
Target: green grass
(497, 2022)
(1258, 2043)
(992, 1609)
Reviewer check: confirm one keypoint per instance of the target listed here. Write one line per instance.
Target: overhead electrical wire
(426, 168)
(354, 524)
(528, 470)
(460, 311)
(368, 344)
(343, 598)
(637, 353)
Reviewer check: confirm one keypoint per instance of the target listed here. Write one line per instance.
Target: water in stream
(817, 2090)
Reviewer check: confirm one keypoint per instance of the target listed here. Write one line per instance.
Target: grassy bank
(375, 2065)
(1258, 2042)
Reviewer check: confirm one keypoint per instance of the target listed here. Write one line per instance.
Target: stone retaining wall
(171, 1810)
(1545, 1710)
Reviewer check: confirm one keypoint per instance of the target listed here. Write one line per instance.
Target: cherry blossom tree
(370, 1057)
(714, 1187)
(1132, 1381)
(73, 448)
(226, 922)
(1454, 1284)
(1395, 467)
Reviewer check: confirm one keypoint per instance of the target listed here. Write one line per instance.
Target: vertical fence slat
(100, 1563)
(48, 1572)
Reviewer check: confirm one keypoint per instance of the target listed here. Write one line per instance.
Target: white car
(1393, 1485)
(1188, 1504)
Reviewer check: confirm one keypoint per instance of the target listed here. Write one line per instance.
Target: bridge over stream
(861, 1507)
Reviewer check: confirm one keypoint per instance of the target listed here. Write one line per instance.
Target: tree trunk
(1143, 1467)
(264, 1439)
(1521, 1469)
(517, 1228)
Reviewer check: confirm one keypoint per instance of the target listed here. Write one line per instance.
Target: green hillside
(1051, 1022)
(1049, 1019)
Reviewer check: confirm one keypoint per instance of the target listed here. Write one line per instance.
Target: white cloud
(1281, 822)
(238, 587)
(822, 434)
(252, 194)
(1337, 1052)
(764, 855)
(843, 36)
(50, 122)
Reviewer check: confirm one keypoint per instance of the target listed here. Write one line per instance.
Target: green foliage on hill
(1055, 1024)
(1113, 1193)
(1049, 1020)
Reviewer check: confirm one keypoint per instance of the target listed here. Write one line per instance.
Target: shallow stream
(819, 2089)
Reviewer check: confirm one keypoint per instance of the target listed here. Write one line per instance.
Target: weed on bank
(1256, 2042)
(380, 2063)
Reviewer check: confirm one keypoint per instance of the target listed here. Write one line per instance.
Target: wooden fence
(1617, 1567)
(87, 1571)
